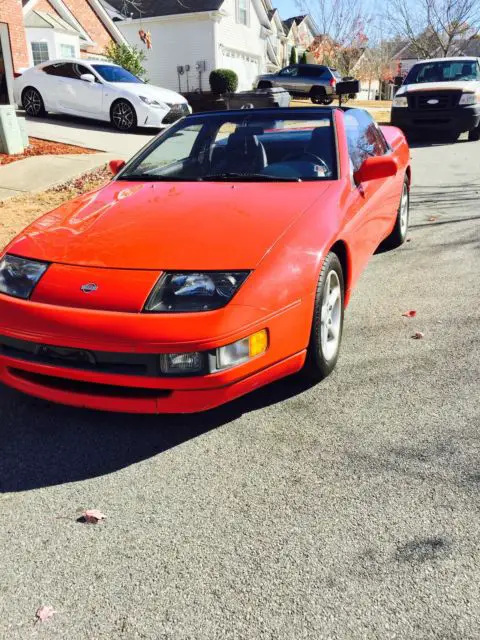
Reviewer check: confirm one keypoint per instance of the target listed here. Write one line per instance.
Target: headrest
(244, 132)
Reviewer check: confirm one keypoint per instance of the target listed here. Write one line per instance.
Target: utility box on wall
(11, 139)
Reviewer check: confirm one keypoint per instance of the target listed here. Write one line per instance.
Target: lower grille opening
(88, 388)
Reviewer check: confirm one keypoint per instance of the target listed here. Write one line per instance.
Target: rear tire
(317, 95)
(327, 325)
(400, 230)
(327, 101)
(33, 103)
(264, 84)
(123, 116)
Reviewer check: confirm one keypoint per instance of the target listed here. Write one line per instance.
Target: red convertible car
(220, 258)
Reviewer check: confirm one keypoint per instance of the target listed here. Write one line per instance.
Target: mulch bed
(44, 147)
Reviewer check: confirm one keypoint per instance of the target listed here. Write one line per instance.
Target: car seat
(244, 152)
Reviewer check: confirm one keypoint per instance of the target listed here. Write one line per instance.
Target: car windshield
(443, 71)
(260, 146)
(111, 73)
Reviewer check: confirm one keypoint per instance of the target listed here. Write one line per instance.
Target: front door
(84, 98)
(287, 78)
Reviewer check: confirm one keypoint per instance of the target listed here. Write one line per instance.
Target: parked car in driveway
(220, 258)
(440, 95)
(314, 81)
(100, 90)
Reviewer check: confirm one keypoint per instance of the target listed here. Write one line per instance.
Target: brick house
(33, 31)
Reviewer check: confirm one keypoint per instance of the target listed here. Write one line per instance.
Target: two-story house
(187, 43)
(190, 39)
(33, 31)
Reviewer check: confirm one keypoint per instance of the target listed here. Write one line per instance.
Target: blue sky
(287, 8)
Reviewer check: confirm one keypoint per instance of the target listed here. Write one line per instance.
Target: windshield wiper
(261, 177)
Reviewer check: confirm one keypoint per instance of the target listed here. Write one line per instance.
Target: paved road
(347, 511)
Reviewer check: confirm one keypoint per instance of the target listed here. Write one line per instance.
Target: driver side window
(289, 72)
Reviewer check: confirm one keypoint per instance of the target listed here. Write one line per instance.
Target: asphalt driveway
(344, 511)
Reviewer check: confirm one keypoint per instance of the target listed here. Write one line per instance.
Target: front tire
(327, 324)
(327, 101)
(264, 84)
(123, 116)
(474, 134)
(33, 103)
(400, 230)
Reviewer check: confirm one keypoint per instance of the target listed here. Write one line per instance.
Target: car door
(308, 76)
(287, 78)
(82, 97)
(52, 86)
(373, 204)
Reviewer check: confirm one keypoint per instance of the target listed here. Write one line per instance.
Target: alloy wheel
(331, 316)
(123, 116)
(32, 102)
(404, 208)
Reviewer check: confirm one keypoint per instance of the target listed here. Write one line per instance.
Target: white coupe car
(100, 90)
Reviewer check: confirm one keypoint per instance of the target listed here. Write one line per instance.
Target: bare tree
(131, 7)
(433, 27)
(341, 20)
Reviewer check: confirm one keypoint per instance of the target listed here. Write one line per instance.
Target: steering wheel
(308, 156)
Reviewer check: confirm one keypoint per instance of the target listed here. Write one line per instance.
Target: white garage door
(245, 66)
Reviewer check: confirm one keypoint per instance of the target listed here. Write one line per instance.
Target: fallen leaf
(44, 613)
(409, 314)
(92, 516)
(418, 335)
(432, 219)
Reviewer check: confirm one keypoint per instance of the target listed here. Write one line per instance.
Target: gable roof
(153, 8)
(42, 20)
(70, 18)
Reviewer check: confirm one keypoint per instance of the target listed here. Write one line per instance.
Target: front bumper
(156, 118)
(459, 119)
(41, 324)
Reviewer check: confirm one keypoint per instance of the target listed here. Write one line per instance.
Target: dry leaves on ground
(418, 335)
(409, 314)
(40, 147)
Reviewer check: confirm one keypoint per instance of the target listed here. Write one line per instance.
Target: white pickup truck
(440, 94)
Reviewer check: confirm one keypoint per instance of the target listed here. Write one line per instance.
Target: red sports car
(220, 258)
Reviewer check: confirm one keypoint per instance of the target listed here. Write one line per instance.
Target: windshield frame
(300, 113)
(95, 66)
(417, 67)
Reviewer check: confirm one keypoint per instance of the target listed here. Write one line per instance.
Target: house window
(242, 11)
(67, 51)
(40, 52)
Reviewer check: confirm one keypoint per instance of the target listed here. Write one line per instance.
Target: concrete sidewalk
(39, 173)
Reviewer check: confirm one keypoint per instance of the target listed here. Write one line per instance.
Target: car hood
(169, 225)
(466, 85)
(150, 91)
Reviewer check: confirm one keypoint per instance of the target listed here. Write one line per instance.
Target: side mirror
(376, 168)
(116, 166)
(88, 77)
